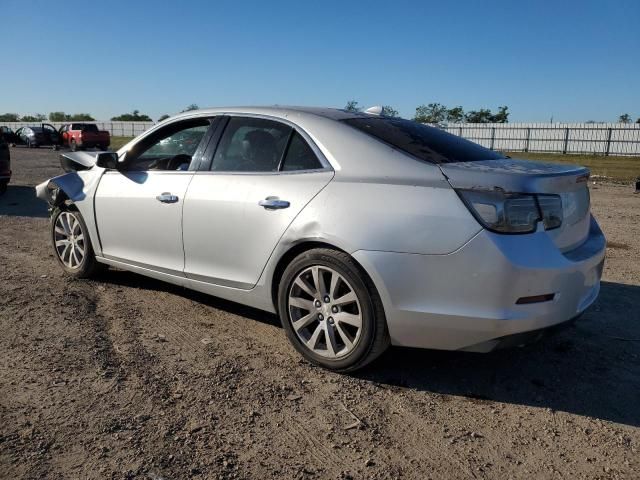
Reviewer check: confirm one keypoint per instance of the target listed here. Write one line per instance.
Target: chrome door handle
(167, 197)
(273, 203)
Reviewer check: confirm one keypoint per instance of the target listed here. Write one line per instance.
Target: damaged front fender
(77, 189)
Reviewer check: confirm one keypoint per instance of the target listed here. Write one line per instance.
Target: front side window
(426, 143)
(169, 148)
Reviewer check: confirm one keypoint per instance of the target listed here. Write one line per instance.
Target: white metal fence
(116, 129)
(585, 138)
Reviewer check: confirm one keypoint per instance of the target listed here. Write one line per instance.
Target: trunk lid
(523, 176)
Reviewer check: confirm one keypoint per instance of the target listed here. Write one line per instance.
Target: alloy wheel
(325, 312)
(69, 240)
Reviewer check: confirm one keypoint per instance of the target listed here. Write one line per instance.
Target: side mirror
(107, 160)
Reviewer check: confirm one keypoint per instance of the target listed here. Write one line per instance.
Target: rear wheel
(72, 245)
(331, 311)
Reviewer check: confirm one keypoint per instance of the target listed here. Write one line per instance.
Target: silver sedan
(359, 230)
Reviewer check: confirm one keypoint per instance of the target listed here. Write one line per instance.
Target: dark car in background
(5, 163)
(8, 134)
(44, 135)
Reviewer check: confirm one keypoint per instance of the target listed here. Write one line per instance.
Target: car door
(19, 135)
(139, 207)
(261, 176)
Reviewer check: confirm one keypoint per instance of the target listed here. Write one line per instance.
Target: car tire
(331, 311)
(77, 257)
(73, 146)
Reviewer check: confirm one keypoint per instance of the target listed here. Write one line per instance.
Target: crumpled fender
(79, 189)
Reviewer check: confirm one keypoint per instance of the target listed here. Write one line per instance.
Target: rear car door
(139, 208)
(262, 174)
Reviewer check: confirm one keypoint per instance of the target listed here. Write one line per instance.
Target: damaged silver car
(360, 231)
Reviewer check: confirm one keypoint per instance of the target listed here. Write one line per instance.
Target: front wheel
(331, 311)
(72, 245)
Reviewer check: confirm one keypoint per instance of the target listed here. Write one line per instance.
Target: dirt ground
(127, 377)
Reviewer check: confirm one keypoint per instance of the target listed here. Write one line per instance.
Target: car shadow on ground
(128, 279)
(21, 201)
(591, 368)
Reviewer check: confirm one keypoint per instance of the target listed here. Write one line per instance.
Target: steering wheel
(177, 160)
(170, 163)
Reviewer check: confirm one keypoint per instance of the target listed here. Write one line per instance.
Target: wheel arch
(287, 257)
(74, 190)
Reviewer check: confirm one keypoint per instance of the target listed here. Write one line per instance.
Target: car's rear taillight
(513, 212)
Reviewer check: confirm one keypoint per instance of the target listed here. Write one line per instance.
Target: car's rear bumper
(466, 300)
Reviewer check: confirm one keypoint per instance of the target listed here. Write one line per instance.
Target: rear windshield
(85, 127)
(426, 143)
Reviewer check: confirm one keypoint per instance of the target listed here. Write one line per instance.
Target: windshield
(426, 143)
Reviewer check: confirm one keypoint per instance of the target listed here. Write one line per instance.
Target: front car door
(139, 207)
(262, 175)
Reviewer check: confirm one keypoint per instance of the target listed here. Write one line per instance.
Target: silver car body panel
(152, 232)
(467, 299)
(445, 282)
(228, 236)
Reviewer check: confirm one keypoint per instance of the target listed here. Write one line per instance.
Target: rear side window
(90, 127)
(299, 155)
(251, 145)
(423, 142)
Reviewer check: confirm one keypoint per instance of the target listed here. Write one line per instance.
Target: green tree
(134, 116)
(432, 113)
(454, 115)
(38, 117)
(80, 117)
(163, 117)
(389, 111)
(191, 107)
(352, 106)
(58, 117)
(479, 116)
(74, 117)
(502, 116)
(624, 118)
(9, 117)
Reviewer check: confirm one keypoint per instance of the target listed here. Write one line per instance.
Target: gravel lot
(127, 377)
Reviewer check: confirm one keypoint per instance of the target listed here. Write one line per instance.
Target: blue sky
(573, 60)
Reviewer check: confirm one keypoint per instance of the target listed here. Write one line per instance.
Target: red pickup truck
(78, 136)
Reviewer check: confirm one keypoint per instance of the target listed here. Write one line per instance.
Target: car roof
(278, 111)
